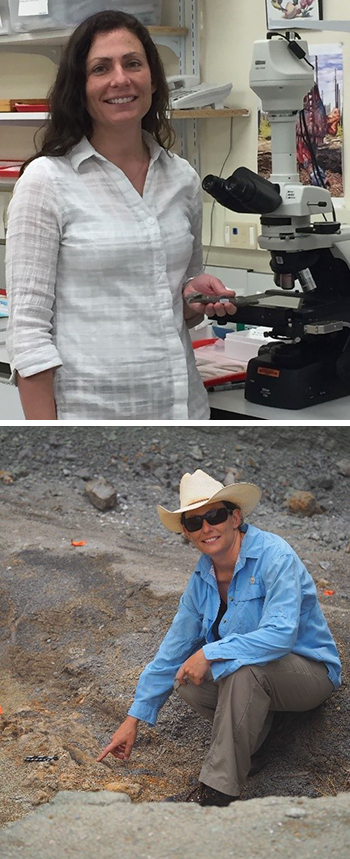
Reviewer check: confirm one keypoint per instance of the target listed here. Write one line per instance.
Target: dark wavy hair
(69, 119)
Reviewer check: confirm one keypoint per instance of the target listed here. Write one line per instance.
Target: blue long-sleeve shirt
(272, 610)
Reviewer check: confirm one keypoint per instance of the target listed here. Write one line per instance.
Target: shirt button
(224, 621)
(150, 220)
(231, 599)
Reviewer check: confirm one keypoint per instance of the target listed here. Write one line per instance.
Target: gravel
(145, 465)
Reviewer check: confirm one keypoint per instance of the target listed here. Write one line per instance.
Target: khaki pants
(241, 707)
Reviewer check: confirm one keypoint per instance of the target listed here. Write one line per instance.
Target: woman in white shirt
(104, 243)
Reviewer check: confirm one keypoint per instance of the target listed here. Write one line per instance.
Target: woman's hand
(209, 285)
(123, 740)
(194, 669)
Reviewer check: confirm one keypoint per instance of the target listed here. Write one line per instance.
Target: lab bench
(232, 405)
(224, 405)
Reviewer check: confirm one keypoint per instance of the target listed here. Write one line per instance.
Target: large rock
(106, 824)
(344, 467)
(101, 493)
(303, 503)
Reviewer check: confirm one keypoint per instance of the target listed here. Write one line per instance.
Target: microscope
(308, 361)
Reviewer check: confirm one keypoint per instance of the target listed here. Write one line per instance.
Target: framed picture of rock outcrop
(320, 151)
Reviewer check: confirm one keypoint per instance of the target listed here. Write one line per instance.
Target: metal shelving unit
(189, 64)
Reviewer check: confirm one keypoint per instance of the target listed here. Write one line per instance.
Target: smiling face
(218, 541)
(118, 80)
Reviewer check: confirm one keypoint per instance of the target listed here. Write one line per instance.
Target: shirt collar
(83, 150)
(252, 544)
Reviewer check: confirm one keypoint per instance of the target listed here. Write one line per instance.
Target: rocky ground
(79, 623)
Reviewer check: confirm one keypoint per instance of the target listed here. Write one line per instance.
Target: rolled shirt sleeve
(157, 679)
(32, 244)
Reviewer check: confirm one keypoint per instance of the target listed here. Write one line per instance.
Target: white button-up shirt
(94, 275)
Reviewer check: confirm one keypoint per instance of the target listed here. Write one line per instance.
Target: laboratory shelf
(47, 41)
(208, 112)
(33, 118)
(30, 118)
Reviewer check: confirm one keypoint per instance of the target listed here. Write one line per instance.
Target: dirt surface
(79, 623)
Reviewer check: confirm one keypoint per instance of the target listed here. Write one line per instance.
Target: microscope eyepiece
(209, 182)
(243, 191)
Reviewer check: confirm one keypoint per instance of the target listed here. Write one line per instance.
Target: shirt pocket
(209, 616)
(249, 607)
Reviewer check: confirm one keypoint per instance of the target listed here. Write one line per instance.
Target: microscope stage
(287, 313)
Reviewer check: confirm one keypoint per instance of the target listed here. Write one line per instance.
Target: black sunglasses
(214, 517)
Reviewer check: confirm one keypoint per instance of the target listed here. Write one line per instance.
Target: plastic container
(4, 18)
(244, 345)
(28, 16)
(147, 11)
(77, 12)
(3, 308)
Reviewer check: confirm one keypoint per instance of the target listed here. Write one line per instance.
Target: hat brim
(245, 495)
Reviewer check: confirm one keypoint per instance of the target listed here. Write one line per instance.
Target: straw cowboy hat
(199, 488)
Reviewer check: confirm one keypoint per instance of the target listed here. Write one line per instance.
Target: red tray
(9, 169)
(218, 380)
(31, 108)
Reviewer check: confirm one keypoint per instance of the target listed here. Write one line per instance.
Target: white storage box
(4, 17)
(244, 345)
(148, 12)
(28, 16)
